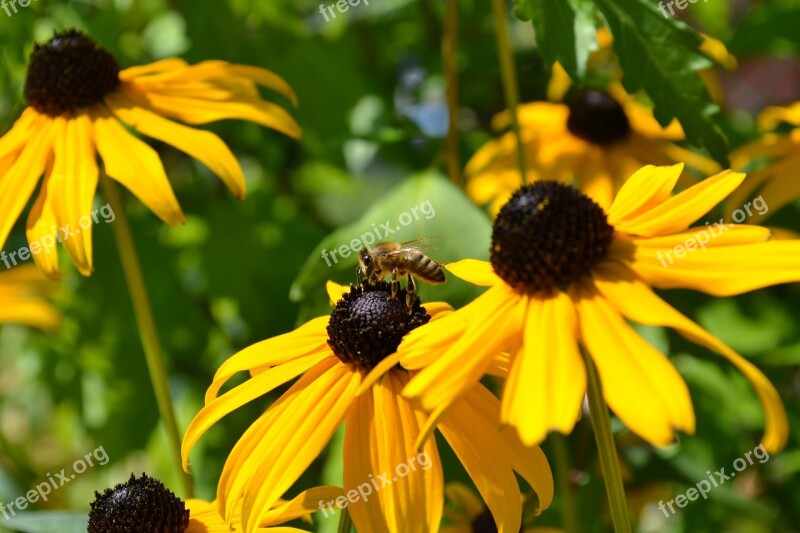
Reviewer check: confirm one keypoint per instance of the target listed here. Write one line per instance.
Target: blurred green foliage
(372, 110)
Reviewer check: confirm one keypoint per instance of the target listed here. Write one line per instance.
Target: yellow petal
(204, 146)
(303, 504)
(529, 461)
(72, 186)
(494, 325)
(772, 116)
(637, 302)
(265, 78)
(158, 67)
(401, 488)
(719, 269)
(678, 212)
(307, 416)
(639, 384)
(309, 338)
(473, 439)
(474, 271)
(19, 181)
(136, 166)
(40, 228)
(238, 396)
(199, 111)
(559, 84)
(547, 381)
(336, 291)
(647, 188)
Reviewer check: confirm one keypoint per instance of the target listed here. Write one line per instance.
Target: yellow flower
(467, 513)
(392, 480)
(565, 271)
(79, 103)
(145, 504)
(595, 141)
(23, 298)
(776, 182)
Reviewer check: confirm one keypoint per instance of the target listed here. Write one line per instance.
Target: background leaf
(659, 54)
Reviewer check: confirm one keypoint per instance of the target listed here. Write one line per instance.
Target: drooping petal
(40, 228)
(203, 111)
(639, 384)
(397, 488)
(494, 320)
(251, 389)
(136, 166)
(474, 439)
(529, 461)
(639, 303)
(202, 145)
(321, 398)
(547, 381)
(19, 181)
(677, 212)
(157, 67)
(71, 188)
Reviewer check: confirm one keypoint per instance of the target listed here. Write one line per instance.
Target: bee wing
(419, 244)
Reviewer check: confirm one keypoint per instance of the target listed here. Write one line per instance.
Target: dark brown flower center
(596, 117)
(368, 324)
(548, 235)
(68, 73)
(143, 504)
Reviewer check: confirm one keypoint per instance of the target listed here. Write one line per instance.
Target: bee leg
(359, 281)
(411, 293)
(395, 283)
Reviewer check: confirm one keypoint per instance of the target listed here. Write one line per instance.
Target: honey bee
(398, 259)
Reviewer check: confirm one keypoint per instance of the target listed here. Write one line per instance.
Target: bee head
(365, 260)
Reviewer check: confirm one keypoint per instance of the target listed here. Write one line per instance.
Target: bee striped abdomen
(428, 269)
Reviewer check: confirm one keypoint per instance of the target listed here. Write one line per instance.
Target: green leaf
(48, 522)
(660, 54)
(457, 228)
(565, 31)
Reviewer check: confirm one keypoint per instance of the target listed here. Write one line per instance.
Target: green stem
(509, 74)
(450, 66)
(607, 450)
(345, 522)
(569, 509)
(146, 323)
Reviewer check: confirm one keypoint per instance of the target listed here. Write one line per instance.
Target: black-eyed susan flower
(594, 140)
(466, 513)
(776, 182)
(347, 374)
(564, 271)
(145, 504)
(24, 294)
(80, 103)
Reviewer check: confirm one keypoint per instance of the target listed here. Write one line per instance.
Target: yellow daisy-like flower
(467, 514)
(564, 271)
(776, 182)
(348, 374)
(595, 141)
(145, 504)
(79, 103)
(23, 298)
